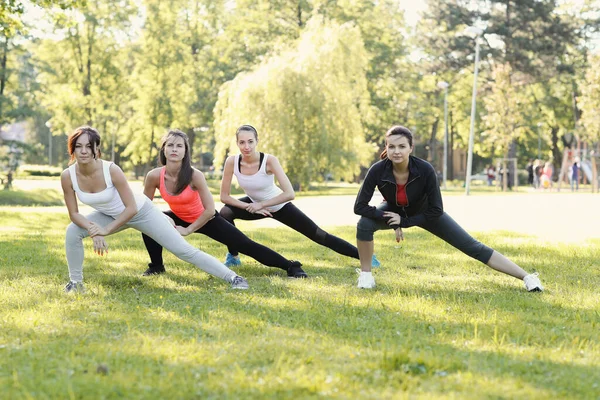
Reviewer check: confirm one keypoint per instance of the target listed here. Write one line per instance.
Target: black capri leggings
(294, 218)
(223, 232)
(444, 227)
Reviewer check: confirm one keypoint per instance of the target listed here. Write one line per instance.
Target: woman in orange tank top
(192, 208)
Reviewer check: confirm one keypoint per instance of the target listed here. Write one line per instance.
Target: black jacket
(422, 192)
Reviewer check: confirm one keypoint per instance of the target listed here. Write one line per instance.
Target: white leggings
(154, 223)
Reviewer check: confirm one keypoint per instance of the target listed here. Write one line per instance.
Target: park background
(322, 81)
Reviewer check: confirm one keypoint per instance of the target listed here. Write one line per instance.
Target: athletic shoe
(74, 287)
(295, 270)
(375, 262)
(154, 270)
(366, 280)
(232, 261)
(532, 283)
(239, 283)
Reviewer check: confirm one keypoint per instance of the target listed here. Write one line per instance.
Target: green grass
(438, 325)
(37, 197)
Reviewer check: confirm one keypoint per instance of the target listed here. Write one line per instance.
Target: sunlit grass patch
(438, 324)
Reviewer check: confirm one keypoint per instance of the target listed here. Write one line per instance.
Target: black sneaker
(295, 270)
(154, 270)
(74, 287)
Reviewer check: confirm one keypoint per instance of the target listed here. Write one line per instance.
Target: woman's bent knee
(74, 232)
(365, 228)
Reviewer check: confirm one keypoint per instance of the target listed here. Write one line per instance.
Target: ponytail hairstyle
(184, 177)
(93, 136)
(397, 130)
(247, 128)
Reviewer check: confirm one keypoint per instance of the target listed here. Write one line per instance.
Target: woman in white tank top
(103, 186)
(256, 173)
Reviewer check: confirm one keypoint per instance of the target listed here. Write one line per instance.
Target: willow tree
(308, 104)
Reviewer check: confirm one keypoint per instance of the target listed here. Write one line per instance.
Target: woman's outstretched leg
(291, 216)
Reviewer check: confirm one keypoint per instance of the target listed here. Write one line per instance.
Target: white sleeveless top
(107, 201)
(259, 186)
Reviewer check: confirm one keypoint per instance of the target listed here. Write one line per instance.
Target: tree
(504, 117)
(308, 104)
(590, 101)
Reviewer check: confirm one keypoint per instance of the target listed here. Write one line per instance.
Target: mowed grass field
(438, 325)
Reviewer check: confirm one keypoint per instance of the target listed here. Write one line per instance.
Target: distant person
(546, 178)
(412, 198)
(575, 175)
(537, 173)
(529, 169)
(102, 185)
(491, 174)
(192, 208)
(256, 173)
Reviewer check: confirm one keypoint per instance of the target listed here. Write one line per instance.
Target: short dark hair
(93, 135)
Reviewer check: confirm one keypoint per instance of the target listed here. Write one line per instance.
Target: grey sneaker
(532, 283)
(74, 287)
(239, 283)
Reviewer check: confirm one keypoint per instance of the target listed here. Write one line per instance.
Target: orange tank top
(187, 205)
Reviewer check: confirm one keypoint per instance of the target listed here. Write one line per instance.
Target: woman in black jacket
(412, 196)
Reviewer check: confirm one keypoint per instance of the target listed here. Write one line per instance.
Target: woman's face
(83, 149)
(398, 149)
(246, 142)
(174, 148)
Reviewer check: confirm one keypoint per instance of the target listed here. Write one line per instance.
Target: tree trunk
(432, 142)
(512, 153)
(3, 73)
(556, 155)
(451, 149)
(299, 15)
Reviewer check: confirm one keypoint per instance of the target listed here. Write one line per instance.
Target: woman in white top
(103, 186)
(256, 173)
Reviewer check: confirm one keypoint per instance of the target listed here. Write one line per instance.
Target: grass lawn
(438, 325)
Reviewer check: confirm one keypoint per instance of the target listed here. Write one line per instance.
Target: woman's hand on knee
(182, 231)
(393, 218)
(96, 230)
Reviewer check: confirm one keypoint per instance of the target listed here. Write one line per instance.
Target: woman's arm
(200, 185)
(226, 197)
(365, 194)
(151, 183)
(274, 167)
(126, 195)
(71, 201)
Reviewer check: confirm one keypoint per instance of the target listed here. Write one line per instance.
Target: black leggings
(295, 219)
(223, 232)
(444, 227)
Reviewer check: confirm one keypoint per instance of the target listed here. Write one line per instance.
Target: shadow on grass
(408, 345)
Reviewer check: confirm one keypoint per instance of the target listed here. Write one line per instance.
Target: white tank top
(259, 186)
(107, 201)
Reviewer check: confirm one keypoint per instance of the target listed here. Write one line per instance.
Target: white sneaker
(532, 283)
(366, 280)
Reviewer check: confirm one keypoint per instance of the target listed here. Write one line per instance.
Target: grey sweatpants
(151, 221)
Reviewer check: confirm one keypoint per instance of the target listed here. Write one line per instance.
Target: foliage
(308, 104)
(590, 100)
(504, 116)
(438, 325)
